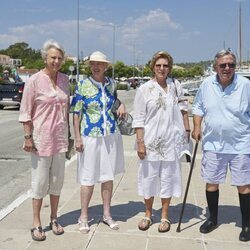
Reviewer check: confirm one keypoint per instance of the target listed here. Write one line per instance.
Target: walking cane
(187, 187)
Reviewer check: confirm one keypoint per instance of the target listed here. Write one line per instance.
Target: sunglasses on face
(230, 65)
(165, 66)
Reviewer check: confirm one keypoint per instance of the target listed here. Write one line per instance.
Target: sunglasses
(230, 65)
(159, 65)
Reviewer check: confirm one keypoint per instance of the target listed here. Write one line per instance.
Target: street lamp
(113, 60)
(77, 62)
(113, 69)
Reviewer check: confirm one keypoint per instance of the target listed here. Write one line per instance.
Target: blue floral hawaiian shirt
(93, 102)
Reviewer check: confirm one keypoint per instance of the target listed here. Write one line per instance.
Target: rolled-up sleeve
(198, 108)
(139, 110)
(182, 100)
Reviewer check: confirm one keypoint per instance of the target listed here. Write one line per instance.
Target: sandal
(145, 223)
(83, 225)
(56, 228)
(39, 229)
(164, 226)
(110, 222)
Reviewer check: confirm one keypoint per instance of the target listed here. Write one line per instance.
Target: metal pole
(113, 69)
(240, 36)
(77, 63)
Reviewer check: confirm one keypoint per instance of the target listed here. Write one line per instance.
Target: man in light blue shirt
(222, 107)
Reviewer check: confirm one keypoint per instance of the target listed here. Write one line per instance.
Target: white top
(159, 113)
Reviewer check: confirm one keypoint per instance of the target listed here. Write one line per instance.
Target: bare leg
(145, 223)
(244, 189)
(148, 206)
(165, 206)
(54, 225)
(165, 223)
(85, 196)
(37, 204)
(54, 201)
(107, 189)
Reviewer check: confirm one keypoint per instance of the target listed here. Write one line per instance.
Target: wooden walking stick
(187, 187)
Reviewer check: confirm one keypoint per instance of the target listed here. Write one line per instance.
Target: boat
(243, 70)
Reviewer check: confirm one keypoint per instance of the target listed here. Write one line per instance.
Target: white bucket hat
(98, 56)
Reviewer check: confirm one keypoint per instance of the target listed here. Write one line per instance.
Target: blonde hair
(161, 54)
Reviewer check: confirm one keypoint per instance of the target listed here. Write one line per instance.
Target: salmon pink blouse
(47, 108)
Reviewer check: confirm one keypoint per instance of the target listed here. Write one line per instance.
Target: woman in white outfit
(162, 134)
(98, 140)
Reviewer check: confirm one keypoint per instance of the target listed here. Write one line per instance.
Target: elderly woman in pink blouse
(44, 115)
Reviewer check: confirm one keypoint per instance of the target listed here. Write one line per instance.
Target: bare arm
(121, 112)
(28, 145)
(78, 138)
(196, 134)
(186, 123)
(141, 148)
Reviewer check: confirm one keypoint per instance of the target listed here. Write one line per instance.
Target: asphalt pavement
(128, 209)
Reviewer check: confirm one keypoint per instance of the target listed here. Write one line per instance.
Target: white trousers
(47, 175)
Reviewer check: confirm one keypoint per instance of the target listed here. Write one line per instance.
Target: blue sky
(190, 30)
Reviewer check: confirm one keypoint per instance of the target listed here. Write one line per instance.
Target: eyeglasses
(165, 66)
(230, 65)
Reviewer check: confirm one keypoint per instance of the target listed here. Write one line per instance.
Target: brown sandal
(164, 226)
(56, 228)
(145, 223)
(41, 232)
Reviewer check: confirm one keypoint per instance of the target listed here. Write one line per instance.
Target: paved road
(14, 162)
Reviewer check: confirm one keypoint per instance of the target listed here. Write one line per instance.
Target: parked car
(10, 93)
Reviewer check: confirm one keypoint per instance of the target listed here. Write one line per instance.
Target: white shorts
(47, 175)
(101, 159)
(159, 178)
(215, 165)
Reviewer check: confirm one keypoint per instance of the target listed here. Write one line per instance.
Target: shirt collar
(215, 80)
(99, 84)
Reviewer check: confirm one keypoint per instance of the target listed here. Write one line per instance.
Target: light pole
(77, 62)
(113, 59)
(113, 68)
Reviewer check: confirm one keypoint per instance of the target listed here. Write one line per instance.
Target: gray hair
(224, 52)
(51, 44)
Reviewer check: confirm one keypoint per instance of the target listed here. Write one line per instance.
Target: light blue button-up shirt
(226, 115)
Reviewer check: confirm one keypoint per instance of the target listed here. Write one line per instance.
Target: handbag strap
(176, 92)
(115, 89)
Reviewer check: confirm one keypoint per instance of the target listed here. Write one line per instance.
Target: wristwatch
(27, 137)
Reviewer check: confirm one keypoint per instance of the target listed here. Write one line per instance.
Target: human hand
(141, 150)
(121, 111)
(29, 146)
(196, 134)
(79, 145)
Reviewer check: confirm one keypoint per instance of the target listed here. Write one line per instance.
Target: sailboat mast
(240, 37)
